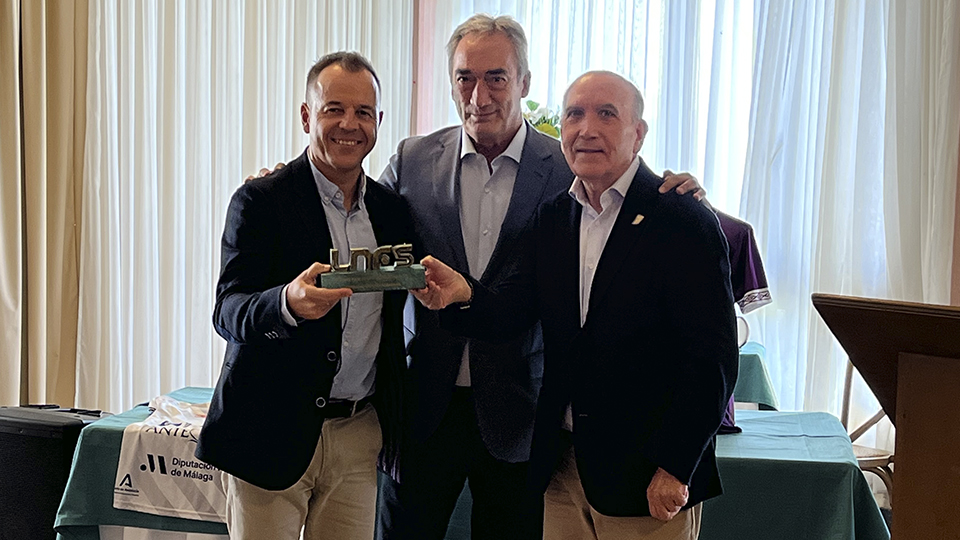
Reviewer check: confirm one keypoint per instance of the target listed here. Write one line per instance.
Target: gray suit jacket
(505, 377)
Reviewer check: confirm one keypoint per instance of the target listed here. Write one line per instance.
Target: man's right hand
(666, 495)
(307, 301)
(445, 285)
(264, 171)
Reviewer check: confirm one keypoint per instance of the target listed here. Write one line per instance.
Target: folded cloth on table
(158, 473)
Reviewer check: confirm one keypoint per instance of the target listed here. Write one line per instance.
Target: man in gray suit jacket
(472, 190)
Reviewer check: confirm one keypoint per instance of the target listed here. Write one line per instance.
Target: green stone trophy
(387, 268)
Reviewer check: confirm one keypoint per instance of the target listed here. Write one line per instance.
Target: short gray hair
(637, 97)
(485, 24)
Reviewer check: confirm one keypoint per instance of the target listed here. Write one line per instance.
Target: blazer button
(332, 356)
(321, 402)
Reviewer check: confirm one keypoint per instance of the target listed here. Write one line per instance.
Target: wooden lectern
(909, 355)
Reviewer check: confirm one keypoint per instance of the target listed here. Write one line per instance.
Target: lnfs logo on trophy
(387, 268)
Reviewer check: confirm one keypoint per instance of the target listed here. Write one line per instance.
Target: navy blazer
(650, 372)
(264, 420)
(505, 377)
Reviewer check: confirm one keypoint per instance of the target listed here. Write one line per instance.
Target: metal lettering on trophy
(387, 268)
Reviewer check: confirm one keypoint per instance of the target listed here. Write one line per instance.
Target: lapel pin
(637, 220)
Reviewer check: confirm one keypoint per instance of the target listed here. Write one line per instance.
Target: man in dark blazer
(311, 379)
(632, 290)
(473, 190)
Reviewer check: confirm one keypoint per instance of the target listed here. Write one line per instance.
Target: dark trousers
(433, 474)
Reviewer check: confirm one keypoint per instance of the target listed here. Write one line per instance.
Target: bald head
(614, 78)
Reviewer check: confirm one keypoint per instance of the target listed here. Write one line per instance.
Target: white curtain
(921, 146)
(813, 181)
(184, 100)
(850, 175)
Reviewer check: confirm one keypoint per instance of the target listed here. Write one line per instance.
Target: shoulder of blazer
(295, 177)
(546, 150)
(543, 144)
(682, 215)
(425, 143)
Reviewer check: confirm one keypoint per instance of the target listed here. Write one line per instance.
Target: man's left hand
(666, 495)
(684, 183)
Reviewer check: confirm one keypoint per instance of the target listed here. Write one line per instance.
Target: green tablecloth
(88, 499)
(787, 476)
(753, 381)
(790, 475)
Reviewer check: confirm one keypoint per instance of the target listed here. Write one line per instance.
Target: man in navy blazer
(311, 379)
(473, 191)
(632, 291)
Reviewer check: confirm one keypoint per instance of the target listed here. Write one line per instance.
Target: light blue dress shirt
(360, 313)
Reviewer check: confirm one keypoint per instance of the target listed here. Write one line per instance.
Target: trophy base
(384, 279)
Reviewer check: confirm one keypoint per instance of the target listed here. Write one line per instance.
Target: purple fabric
(728, 425)
(747, 277)
(748, 281)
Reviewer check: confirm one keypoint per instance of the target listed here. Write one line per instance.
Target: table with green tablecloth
(790, 475)
(753, 380)
(787, 476)
(88, 500)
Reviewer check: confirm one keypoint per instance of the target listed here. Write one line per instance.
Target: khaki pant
(568, 515)
(335, 498)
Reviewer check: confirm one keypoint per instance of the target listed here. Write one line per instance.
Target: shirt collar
(620, 187)
(328, 190)
(513, 151)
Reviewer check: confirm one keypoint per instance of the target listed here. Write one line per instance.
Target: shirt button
(321, 402)
(485, 231)
(332, 356)
(486, 190)
(346, 343)
(338, 195)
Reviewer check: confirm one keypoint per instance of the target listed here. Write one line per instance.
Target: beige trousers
(568, 515)
(335, 499)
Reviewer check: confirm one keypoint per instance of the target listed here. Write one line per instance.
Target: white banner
(158, 473)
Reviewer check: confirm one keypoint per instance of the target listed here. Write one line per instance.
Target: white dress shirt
(485, 191)
(595, 229)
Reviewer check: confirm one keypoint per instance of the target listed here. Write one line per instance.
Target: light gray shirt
(485, 191)
(360, 314)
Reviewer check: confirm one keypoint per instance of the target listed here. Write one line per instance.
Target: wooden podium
(909, 355)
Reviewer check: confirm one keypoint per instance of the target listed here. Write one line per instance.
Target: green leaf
(532, 105)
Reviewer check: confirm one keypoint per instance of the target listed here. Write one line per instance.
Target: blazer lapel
(628, 234)
(309, 209)
(567, 263)
(381, 214)
(446, 199)
(528, 189)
